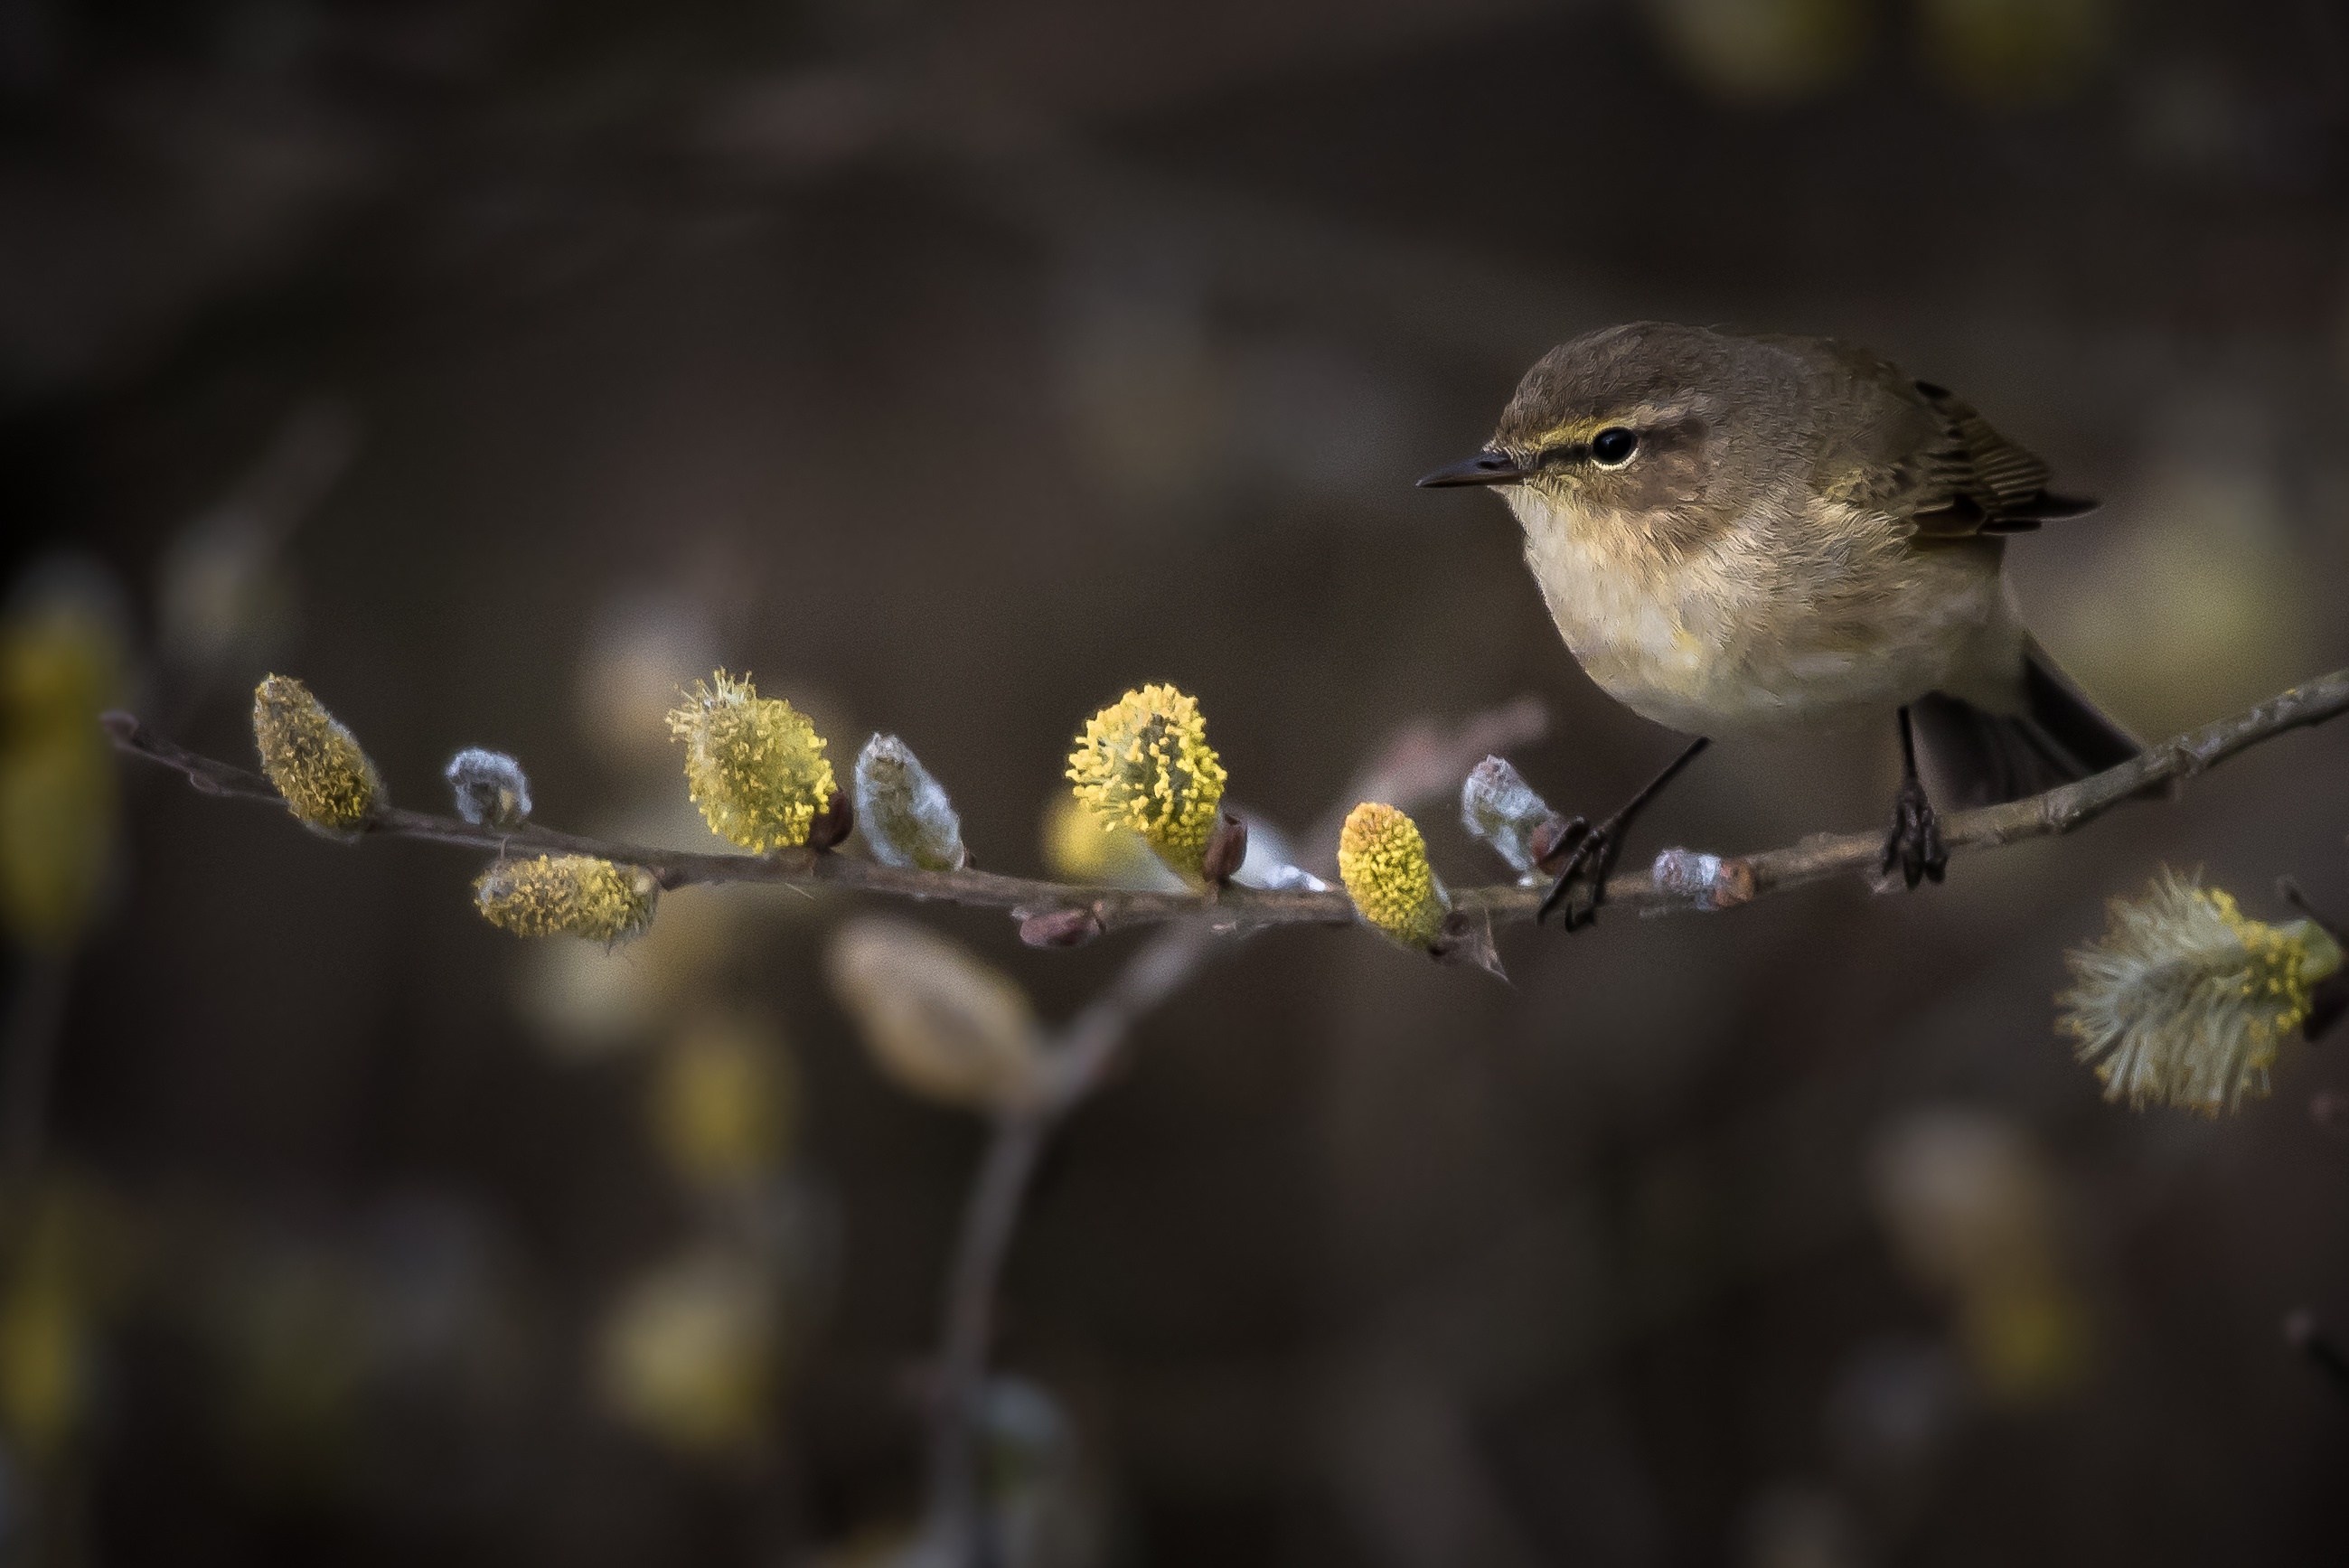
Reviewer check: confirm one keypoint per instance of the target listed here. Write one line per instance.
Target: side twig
(1725, 881)
(1421, 762)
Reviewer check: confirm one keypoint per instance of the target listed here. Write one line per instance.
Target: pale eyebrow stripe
(1640, 416)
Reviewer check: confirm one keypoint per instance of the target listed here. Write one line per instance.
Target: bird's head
(1665, 429)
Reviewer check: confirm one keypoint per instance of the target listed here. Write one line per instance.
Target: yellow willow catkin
(754, 765)
(63, 653)
(567, 895)
(317, 763)
(2186, 1000)
(1383, 861)
(1143, 762)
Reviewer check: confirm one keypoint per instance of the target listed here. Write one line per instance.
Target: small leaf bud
(1145, 761)
(1708, 882)
(1553, 843)
(1060, 928)
(754, 765)
(1226, 848)
(1383, 861)
(568, 895)
(907, 819)
(491, 788)
(831, 826)
(1499, 807)
(315, 762)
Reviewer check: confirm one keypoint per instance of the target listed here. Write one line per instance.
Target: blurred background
(497, 365)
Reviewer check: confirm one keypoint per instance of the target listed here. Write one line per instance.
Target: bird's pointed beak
(1486, 467)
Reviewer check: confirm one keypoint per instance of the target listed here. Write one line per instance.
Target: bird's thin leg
(1914, 844)
(1581, 886)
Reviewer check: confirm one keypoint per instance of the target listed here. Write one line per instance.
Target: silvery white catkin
(1499, 807)
(903, 812)
(491, 788)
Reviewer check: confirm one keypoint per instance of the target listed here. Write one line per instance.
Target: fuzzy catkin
(903, 811)
(1383, 860)
(316, 764)
(2187, 1000)
(754, 765)
(1143, 761)
(1497, 806)
(568, 895)
(491, 789)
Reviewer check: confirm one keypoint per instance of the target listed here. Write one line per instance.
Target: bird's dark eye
(1613, 447)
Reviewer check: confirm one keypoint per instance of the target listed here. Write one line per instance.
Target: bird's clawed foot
(1589, 851)
(1581, 884)
(1914, 844)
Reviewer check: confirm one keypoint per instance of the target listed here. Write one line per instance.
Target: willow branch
(1677, 880)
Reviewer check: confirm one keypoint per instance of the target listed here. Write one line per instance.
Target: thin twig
(1735, 880)
(1420, 761)
(1015, 1143)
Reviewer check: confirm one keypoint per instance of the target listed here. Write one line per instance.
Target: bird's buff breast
(1796, 623)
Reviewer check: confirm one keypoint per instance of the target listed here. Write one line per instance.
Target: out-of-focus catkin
(938, 1021)
(2186, 1001)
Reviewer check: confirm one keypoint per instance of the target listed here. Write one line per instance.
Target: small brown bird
(1752, 534)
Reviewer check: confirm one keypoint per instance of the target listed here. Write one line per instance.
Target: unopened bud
(1060, 928)
(908, 820)
(1706, 880)
(1499, 807)
(491, 788)
(1555, 841)
(1226, 848)
(831, 826)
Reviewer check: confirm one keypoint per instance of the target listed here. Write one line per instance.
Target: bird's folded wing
(1975, 480)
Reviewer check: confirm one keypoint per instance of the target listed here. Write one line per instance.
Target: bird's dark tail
(1985, 758)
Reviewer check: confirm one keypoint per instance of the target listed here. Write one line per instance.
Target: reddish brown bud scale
(1554, 841)
(831, 826)
(1060, 928)
(1226, 848)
